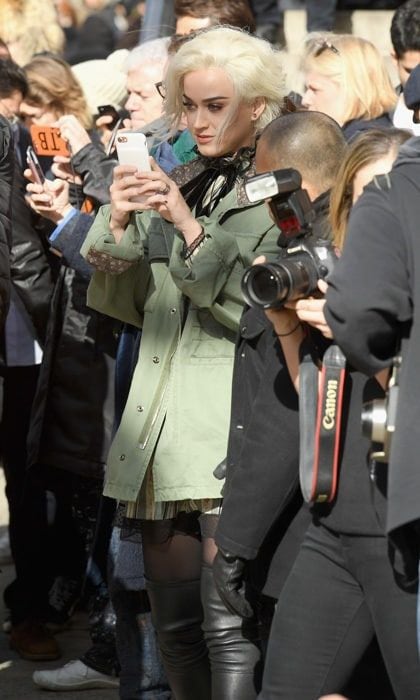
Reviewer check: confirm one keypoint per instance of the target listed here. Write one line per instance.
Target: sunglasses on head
(324, 45)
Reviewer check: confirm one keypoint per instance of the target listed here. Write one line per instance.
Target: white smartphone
(132, 150)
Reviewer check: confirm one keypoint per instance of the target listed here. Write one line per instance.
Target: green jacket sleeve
(119, 284)
(213, 280)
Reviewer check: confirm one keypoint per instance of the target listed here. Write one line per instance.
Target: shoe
(32, 641)
(75, 675)
(5, 552)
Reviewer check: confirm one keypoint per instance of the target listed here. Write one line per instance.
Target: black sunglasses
(324, 45)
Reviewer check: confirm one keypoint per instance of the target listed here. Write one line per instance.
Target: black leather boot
(177, 615)
(233, 645)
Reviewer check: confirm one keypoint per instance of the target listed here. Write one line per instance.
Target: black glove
(228, 572)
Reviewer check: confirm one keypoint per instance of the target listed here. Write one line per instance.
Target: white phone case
(132, 150)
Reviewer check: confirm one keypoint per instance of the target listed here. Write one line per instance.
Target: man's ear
(394, 57)
(258, 107)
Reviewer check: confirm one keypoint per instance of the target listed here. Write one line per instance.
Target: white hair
(154, 51)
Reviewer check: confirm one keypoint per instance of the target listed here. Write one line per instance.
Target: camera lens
(374, 417)
(272, 284)
(268, 284)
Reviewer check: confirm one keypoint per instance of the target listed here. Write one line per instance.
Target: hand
(163, 195)
(311, 310)
(125, 186)
(72, 130)
(102, 125)
(62, 169)
(228, 572)
(50, 200)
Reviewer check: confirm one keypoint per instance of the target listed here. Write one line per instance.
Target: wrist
(117, 229)
(190, 229)
(288, 331)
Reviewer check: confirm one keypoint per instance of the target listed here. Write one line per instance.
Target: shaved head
(310, 142)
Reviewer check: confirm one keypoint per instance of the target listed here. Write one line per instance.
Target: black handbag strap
(320, 414)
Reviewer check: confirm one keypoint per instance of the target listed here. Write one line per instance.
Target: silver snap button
(140, 409)
(122, 458)
(156, 360)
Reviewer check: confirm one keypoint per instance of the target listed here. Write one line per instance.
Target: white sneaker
(75, 675)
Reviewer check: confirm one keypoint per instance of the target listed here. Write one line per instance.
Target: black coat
(373, 302)
(263, 519)
(73, 411)
(262, 495)
(6, 181)
(31, 265)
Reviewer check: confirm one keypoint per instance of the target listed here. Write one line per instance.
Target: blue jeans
(141, 674)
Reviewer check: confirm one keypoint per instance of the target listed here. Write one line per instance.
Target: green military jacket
(179, 403)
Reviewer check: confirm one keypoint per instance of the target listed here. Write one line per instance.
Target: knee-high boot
(233, 644)
(177, 614)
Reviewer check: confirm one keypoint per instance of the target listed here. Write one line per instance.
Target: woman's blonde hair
(357, 65)
(367, 148)
(53, 85)
(253, 65)
(29, 27)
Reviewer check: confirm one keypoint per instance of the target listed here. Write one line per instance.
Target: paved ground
(16, 674)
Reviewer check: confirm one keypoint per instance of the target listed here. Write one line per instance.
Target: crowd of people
(169, 468)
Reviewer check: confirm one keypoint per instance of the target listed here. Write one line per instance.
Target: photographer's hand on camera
(229, 577)
(311, 310)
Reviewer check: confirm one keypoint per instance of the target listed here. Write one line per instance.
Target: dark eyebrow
(208, 99)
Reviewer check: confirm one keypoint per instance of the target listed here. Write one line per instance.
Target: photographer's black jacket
(373, 301)
(262, 500)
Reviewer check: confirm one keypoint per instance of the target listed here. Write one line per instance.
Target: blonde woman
(29, 27)
(172, 266)
(346, 78)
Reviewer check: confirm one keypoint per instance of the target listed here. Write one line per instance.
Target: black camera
(303, 259)
(379, 416)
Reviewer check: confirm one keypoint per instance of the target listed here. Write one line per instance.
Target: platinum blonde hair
(254, 67)
(355, 64)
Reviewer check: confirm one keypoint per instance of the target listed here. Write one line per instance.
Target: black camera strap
(320, 414)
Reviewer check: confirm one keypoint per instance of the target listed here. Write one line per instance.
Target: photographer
(262, 496)
(372, 308)
(341, 590)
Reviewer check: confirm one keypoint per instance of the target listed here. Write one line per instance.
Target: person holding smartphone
(172, 266)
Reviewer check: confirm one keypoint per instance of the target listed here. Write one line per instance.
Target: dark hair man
(13, 88)
(198, 14)
(405, 37)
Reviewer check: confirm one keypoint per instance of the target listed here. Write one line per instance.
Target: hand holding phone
(34, 166)
(132, 150)
(109, 111)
